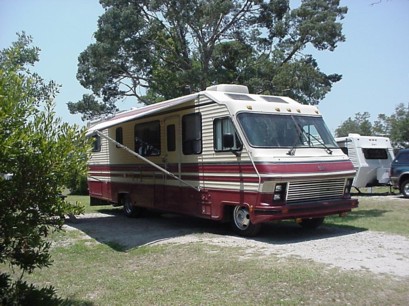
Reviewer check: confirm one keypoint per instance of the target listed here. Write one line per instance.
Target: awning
(139, 113)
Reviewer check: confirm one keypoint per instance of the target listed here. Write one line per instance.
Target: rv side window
(224, 126)
(375, 153)
(96, 143)
(119, 136)
(147, 138)
(192, 134)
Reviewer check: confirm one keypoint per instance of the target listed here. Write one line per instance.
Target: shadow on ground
(112, 228)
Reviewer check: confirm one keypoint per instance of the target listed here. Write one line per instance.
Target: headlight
(279, 192)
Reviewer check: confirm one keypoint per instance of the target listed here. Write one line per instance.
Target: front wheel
(130, 210)
(311, 223)
(241, 222)
(404, 188)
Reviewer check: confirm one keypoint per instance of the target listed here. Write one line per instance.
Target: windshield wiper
(294, 146)
(302, 131)
(328, 150)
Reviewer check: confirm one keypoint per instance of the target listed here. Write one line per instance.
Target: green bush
(39, 154)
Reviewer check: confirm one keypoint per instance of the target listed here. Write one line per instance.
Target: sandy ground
(350, 249)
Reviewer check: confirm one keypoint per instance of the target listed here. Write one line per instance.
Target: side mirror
(228, 141)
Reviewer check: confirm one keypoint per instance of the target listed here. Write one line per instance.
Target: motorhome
(222, 154)
(371, 156)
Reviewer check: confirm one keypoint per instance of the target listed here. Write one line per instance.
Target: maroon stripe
(264, 168)
(293, 168)
(269, 168)
(209, 178)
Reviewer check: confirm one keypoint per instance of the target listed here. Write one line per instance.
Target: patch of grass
(85, 201)
(86, 272)
(197, 274)
(385, 214)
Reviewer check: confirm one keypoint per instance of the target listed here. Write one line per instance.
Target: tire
(311, 223)
(241, 223)
(404, 188)
(130, 210)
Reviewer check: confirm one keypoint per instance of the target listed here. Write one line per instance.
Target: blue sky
(374, 60)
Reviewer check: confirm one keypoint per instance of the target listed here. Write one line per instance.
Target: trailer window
(375, 153)
(192, 134)
(96, 143)
(119, 136)
(147, 138)
(224, 126)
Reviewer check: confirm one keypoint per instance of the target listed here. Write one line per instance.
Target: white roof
(366, 141)
(235, 97)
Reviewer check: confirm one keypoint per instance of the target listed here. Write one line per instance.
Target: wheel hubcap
(241, 217)
(127, 206)
(406, 189)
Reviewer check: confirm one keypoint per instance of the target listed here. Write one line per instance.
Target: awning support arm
(146, 160)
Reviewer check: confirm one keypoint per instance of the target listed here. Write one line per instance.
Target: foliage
(21, 293)
(90, 107)
(78, 184)
(396, 126)
(155, 50)
(359, 125)
(38, 155)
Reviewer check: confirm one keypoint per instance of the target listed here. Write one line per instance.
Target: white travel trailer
(372, 157)
(222, 154)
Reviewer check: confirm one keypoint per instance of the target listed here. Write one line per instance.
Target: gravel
(346, 249)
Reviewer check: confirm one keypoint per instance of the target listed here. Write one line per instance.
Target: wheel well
(403, 178)
(227, 212)
(122, 196)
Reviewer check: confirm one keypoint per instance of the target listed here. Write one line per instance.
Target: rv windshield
(286, 131)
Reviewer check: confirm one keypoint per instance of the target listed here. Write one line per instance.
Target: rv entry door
(169, 193)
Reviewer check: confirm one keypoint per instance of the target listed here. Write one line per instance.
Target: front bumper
(313, 209)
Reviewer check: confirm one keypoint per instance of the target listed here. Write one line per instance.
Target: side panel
(99, 176)
(223, 176)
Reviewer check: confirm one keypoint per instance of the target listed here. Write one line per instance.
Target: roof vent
(229, 88)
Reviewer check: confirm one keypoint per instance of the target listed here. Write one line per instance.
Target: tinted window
(272, 131)
(375, 153)
(96, 143)
(403, 157)
(119, 136)
(192, 134)
(147, 138)
(224, 126)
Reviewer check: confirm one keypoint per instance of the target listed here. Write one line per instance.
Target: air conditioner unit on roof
(229, 88)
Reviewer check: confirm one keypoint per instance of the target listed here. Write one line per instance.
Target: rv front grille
(315, 190)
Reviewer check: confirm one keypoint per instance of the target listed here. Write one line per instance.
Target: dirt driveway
(339, 247)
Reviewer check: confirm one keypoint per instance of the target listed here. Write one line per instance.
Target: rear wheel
(404, 188)
(130, 210)
(311, 223)
(241, 222)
